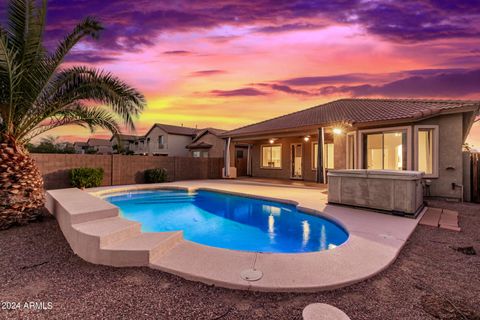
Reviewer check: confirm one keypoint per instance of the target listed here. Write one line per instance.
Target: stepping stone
(431, 217)
(450, 213)
(323, 311)
(449, 220)
(452, 228)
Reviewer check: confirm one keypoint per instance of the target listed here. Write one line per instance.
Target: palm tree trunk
(21, 186)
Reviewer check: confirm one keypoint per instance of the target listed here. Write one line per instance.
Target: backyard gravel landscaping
(431, 279)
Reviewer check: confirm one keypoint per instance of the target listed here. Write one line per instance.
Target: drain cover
(251, 274)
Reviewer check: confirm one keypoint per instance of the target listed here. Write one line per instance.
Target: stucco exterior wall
(450, 164)
(218, 144)
(174, 145)
(340, 150)
(285, 171)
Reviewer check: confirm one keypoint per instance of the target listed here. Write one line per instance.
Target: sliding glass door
(385, 150)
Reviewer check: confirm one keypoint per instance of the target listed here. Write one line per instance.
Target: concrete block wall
(123, 169)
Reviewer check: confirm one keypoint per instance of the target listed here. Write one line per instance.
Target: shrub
(86, 177)
(155, 175)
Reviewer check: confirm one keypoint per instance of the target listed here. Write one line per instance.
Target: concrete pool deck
(97, 233)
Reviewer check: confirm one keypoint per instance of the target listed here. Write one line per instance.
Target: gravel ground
(430, 280)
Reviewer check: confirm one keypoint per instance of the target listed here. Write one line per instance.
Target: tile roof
(214, 131)
(98, 142)
(354, 112)
(122, 136)
(199, 145)
(181, 130)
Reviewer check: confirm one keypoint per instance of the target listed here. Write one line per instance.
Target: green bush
(155, 175)
(86, 177)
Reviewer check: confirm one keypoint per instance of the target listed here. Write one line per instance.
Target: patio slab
(375, 241)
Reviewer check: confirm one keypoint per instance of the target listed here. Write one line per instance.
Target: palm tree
(37, 95)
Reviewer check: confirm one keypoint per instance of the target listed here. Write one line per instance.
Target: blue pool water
(231, 222)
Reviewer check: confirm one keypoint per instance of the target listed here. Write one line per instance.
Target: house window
(196, 154)
(161, 142)
(328, 156)
(426, 151)
(272, 156)
(205, 154)
(385, 150)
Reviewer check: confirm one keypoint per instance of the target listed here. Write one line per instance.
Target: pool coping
(97, 233)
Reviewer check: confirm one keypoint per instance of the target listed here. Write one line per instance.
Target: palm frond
(79, 114)
(18, 14)
(10, 76)
(83, 83)
(40, 73)
(88, 27)
(25, 26)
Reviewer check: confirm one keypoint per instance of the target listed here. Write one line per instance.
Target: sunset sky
(229, 63)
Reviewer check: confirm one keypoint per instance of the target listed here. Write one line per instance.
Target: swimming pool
(230, 222)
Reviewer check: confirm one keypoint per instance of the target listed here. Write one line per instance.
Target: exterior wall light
(337, 130)
(271, 140)
(306, 138)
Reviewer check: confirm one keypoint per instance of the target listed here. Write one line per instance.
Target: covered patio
(283, 182)
(288, 157)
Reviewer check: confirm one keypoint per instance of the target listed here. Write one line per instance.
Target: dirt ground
(429, 280)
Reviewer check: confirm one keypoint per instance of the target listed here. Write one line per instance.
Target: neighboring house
(80, 147)
(166, 140)
(207, 144)
(124, 143)
(384, 134)
(99, 146)
(174, 141)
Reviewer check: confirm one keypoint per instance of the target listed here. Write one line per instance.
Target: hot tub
(397, 192)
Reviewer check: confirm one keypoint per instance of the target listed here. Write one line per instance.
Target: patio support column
(249, 160)
(227, 158)
(320, 169)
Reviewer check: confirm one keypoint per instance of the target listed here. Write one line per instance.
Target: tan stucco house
(207, 144)
(173, 141)
(122, 143)
(93, 145)
(382, 134)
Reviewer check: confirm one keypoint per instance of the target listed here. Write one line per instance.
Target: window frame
(436, 146)
(281, 156)
(361, 146)
(195, 152)
(294, 145)
(325, 157)
(161, 137)
(355, 153)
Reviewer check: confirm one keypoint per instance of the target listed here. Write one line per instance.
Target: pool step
(89, 237)
(142, 249)
(99, 235)
(162, 201)
(73, 206)
(157, 197)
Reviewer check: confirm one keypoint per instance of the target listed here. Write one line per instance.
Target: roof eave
(417, 117)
